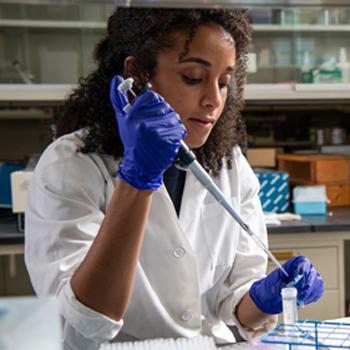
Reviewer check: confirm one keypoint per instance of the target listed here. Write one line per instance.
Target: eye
(191, 81)
(223, 86)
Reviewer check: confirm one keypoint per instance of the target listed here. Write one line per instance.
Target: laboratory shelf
(264, 93)
(297, 92)
(213, 3)
(57, 24)
(47, 24)
(34, 92)
(300, 28)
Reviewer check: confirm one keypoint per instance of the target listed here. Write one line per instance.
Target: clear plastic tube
(289, 304)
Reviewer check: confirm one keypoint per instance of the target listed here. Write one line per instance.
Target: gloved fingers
(160, 159)
(174, 134)
(147, 98)
(118, 99)
(266, 296)
(163, 131)
(312, 290)
(163, 122)
(302, 265)
(298, 265)
(154, 112)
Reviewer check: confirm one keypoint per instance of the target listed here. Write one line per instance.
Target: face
(196, 86)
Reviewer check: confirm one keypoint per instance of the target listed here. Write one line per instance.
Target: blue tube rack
(316, 334)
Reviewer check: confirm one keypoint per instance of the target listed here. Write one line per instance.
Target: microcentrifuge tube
(289, 304)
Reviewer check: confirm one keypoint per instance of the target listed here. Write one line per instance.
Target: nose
(212, 96)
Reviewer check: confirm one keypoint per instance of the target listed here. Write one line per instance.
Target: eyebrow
(202, 62)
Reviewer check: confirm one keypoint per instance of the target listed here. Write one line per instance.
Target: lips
(202, 123)
(203, 120)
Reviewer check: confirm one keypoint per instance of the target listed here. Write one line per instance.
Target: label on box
(274, 191)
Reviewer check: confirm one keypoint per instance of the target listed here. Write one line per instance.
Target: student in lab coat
(132, 247)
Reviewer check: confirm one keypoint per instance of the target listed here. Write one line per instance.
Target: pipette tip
(284, 271)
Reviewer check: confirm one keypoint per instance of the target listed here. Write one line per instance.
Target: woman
(127, 256)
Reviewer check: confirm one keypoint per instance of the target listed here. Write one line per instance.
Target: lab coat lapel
(167, 281)
(192, 200)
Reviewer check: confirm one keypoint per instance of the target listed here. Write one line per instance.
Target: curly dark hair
(144, 33)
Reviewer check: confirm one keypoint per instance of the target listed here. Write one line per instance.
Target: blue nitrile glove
(151, 133)
(266, 293)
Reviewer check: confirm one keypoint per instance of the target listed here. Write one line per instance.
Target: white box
(19, 188)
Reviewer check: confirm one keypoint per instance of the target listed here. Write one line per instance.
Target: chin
(195, 142)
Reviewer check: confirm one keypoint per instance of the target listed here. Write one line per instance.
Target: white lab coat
(193, 269)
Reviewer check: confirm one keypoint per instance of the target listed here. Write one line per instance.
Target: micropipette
(187, 159)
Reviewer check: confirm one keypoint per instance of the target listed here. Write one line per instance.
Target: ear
(131, 70)
(129, 66)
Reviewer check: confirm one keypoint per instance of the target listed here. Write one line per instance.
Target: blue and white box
(5, 183)
(274, 191)
(310, 200)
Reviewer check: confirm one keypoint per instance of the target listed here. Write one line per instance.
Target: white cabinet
(326, 252)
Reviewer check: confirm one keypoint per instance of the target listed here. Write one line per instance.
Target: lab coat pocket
(220, 231)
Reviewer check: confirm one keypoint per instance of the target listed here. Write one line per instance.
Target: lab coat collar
(192, 199)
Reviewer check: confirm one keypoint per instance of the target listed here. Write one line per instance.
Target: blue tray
(315, 334)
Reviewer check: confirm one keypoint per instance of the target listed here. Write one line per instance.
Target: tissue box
(310, 200)
(274, 191)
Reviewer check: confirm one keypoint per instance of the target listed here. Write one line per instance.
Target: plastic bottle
(289, 304)
(306, 76)
(344, 66)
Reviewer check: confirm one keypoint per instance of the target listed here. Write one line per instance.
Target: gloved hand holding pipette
(151, 133)
(266, 292)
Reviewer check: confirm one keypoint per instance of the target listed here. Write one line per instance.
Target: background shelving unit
(52, 46)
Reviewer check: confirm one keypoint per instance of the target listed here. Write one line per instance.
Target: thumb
(118, 98)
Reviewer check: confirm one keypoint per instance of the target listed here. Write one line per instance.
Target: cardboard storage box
(314, 169)
(310, 200)
(274, 191)
(263, 157)
(338, 194)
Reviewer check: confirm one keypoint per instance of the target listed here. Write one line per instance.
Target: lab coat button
(179, 252)
(186, 316)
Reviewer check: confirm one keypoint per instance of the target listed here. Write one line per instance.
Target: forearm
(250, 316)
(105, 278)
